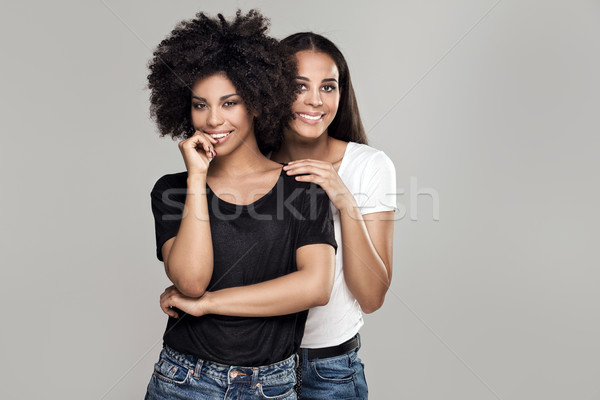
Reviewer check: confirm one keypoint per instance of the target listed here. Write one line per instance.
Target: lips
(219, 136)
(310, 117)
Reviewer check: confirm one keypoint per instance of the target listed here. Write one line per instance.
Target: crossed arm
(307, 287)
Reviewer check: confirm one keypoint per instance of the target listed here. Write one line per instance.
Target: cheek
(333, 105)
(297, 103)
(244, 119)
(195, 118)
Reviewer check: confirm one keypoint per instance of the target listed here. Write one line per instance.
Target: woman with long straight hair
(325, 143)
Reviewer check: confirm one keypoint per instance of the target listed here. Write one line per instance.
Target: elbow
(322, 298)
(191, 291)
(372, 305)
(322, 294)
(373, 300)
(188, 283)
(191, 287)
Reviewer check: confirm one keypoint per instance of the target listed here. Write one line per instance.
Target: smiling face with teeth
(319, 95)
(217, 110)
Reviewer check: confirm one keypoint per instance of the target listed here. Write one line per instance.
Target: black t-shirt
(251, 244)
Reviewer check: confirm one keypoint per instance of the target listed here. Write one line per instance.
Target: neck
(296, 147)
(246, 159)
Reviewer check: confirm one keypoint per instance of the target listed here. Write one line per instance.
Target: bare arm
(367, 249)
(188, 257)
(367, 241)
(308, 287)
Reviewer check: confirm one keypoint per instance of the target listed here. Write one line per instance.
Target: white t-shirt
(371, 177)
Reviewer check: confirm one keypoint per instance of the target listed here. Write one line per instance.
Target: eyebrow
(303, 78)
(221, 99)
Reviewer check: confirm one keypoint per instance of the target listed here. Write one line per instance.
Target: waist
(335, 322)
(231, 373)
(234, 340)
(333, 351)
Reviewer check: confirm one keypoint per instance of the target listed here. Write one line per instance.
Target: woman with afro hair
(255, 245)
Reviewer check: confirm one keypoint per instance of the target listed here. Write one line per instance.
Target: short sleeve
(378, 185)
(168, 201)
(316, 222)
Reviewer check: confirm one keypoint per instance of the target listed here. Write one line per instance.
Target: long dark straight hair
(346, 125)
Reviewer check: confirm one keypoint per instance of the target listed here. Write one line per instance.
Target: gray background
(490, 104)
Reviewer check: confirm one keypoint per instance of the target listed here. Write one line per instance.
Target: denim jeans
(340, 377)
(182, 376)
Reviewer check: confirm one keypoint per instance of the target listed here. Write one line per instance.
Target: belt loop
(198, 368)
(229, 371)
(254, 379)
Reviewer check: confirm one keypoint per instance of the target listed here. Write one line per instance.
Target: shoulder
(369, 158)
(177, 180)
(291, 186)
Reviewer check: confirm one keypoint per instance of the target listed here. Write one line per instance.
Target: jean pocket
(170, 371)
(337, 369)
(278, 390)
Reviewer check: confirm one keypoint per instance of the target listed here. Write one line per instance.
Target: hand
(196, 152)
(172, 297)
(323, 174)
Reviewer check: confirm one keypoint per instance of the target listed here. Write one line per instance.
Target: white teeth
(312, 118)
(219, 135)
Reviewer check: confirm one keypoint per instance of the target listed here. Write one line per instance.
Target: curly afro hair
(261, 70)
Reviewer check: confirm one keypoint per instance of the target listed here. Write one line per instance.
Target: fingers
(211, 152)
(169, 311)
(311, 178)
(308, 161)
(210, 138)
(167, 300)
(308, 167)
(309, 173)
(200, 142)
(204, 142)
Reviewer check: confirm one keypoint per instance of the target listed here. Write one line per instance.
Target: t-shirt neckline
(251, 205)
(343, 163)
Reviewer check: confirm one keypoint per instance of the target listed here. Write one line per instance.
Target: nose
(313, 98)
(215, 118)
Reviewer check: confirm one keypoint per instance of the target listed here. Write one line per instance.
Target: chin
(309, 134)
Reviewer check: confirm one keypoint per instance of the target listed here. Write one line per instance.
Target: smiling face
(219, 111)
(319, 97)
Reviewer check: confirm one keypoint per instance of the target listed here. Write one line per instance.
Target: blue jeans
(182, 376)
(340, 377)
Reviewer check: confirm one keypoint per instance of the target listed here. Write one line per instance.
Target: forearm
(190, 260)
(288, 294)
(366, 272)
